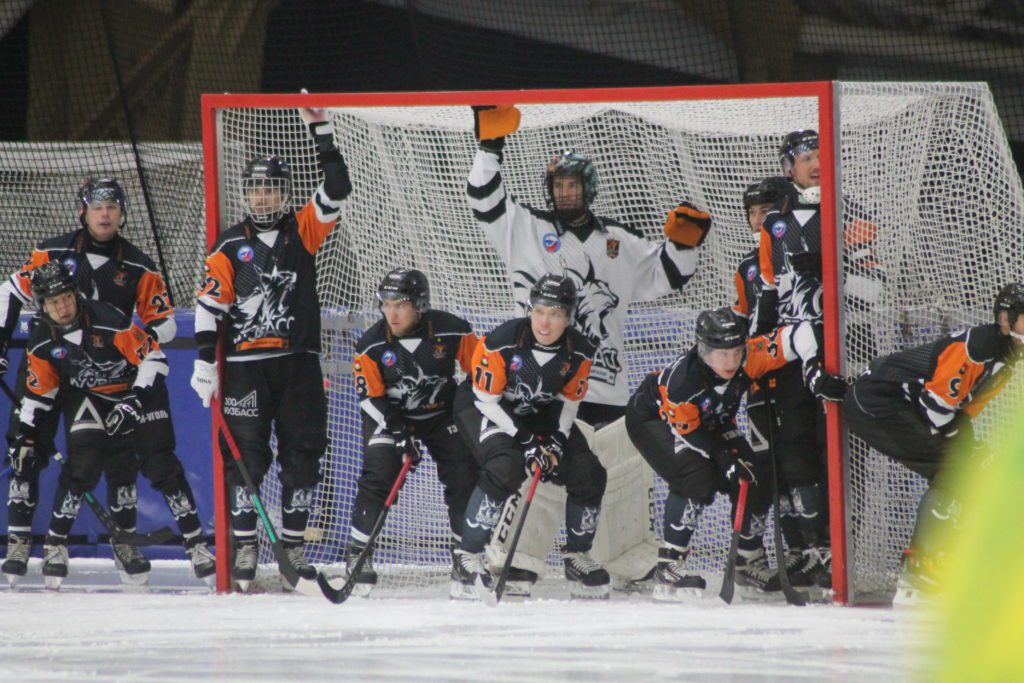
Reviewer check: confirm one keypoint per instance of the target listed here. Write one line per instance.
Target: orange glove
(687, 225)
(490, 122)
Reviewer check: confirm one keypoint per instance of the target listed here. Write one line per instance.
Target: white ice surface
(92, 631)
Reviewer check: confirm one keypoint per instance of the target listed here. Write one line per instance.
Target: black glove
(806, 263)
(823, 385)
(406, 445)
(734, 468)
(540, 456)
(125, 416)
(22, 452)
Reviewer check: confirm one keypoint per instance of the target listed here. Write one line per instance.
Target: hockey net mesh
(927, 164)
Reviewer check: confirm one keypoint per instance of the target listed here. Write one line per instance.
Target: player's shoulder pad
(684, 378)
(447, 323)
(136, 256)
(540, 214)
(102, 314)
(618, 229)
(505, 334)
(374, 336)
(38, 338)
(63, 242)
(985, 343)
(751, 258)
(581, 344)
(233, 234)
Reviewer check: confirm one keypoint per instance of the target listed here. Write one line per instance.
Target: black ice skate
(672, 583)
(466, 567)
(366, 579)
(134, 568)
(519, 583)
(244, 571)
(16, 565)
(755, 577)
(586, 577)
(55, 562)
(204, 566)
(920, 579)
(297, 556)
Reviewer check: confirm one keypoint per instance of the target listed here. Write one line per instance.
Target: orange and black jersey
(107, 357)
(264, 284)
(749, 288)
(115, 272)
(412, 377)
(696, 403)
(960, 372)
(515, 377)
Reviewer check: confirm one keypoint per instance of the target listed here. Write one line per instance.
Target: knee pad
(163, 470)
(502, 475)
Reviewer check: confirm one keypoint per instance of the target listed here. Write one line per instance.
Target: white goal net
(927, 164)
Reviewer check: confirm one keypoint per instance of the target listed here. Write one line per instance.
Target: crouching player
(107, 370)
(683, 422)
(405, 376)
(516, 412)
(917, 406)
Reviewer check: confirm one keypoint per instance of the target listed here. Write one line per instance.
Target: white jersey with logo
(612, 267)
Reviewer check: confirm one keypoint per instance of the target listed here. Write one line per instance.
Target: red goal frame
(826, 94)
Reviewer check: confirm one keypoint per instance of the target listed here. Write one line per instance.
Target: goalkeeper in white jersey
(612, 266)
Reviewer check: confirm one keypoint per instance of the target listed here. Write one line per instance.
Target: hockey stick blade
(729, 577)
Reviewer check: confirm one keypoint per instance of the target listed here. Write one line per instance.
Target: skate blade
(458, 591)
(134, 580)
(580, 592)
(908, 597)
(486, 595)
(664, 593)
(305, 587)
(755, 594)
(52, 583)
(517, 589)
(362, 590)
(12, 580)
(637, 587)
(242, 585)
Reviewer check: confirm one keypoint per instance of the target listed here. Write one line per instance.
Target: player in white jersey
(612, 266)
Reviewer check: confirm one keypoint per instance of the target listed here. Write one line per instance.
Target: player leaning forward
(611, 265)
(106, 371)
(261, 280)
(516, 412)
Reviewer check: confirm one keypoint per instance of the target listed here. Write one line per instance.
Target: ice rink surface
(178, 631)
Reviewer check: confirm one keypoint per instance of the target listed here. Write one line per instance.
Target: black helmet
(49, 280)
(568, 162)
(767, 191)
(797, 142)
(720, 329)
(555, 290)
(1011, 300)
(269, 171)
(95, 190)
(405, 284)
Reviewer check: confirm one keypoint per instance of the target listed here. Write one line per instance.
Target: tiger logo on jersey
(414, 393)
(265, 309)
(92, 374)
(525, 398)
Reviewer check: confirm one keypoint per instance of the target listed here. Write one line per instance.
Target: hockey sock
(22, 497)
(65, 510)
(681, 517)
(243, 516)
(123, 503)
(937, 514)
(808, 502)
(580, 525)
(182, 504)
(295, 507)
(482, 514)
(790, 522)
(752, 535)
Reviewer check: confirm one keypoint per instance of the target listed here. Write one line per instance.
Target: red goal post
(409, 153)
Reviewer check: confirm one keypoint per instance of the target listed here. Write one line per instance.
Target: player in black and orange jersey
(911, 404)
(683, 422)
(404, 369)
(109, 268)
(105, 371)
(516, 412)
(261, 281)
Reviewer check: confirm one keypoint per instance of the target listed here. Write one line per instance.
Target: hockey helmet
(797, 142)
(569, 162)
(267, 172)
(405, 284)
(1011, 300)
(555, 290)
(767, 191)
(98, 190)
(719, 329)
(53, 279)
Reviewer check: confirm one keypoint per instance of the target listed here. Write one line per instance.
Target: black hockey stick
(340, 595)
(729, 578)
(117, 534)
(491, 598)
(793, 596)
(288, 571)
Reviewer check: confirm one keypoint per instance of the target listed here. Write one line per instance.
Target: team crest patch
(779, 228)
(389, 358)
(565, 369)
(439, 351)
(71, 264)
(58, 352)
(121, 278)
(97, 341)
(705, 405)
(245, 253)
(551, 242)
(612, 248)
(751, 273)
(516, 363)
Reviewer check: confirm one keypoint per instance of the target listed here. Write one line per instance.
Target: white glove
(310, 116)
(205, 380)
